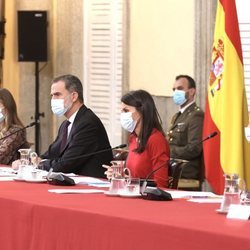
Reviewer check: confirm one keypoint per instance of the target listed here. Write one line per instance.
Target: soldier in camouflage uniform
(185, 130)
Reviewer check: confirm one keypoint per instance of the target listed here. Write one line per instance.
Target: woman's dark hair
(150, 118)
(9, 103)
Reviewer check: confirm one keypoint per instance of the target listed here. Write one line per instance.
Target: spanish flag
(226, 105)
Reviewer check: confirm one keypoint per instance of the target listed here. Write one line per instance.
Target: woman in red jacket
(148, 147)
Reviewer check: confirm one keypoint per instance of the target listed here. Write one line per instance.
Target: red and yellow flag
(226, 106)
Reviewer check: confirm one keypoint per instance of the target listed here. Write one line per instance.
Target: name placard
(238, 212)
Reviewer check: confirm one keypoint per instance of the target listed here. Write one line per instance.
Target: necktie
(177, 116)
(64, 135)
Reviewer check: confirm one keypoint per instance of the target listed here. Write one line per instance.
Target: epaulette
(197, 108)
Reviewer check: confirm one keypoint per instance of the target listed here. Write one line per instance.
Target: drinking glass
(119, 175)
(245, 198)
(24, 156)
(234, 186)
(132, 186)
(28, 163)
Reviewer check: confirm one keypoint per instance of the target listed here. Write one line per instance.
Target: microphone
(28, 126)
(59, 179)
(93, 153)
(120, 146)
(213, 134)
(32, 124)
(157, 193)
(63, 180)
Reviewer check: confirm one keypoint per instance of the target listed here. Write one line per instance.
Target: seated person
(81, 134)
(148, 148)
(185, 130)
(12, 134)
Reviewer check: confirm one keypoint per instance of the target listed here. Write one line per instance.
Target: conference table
(33, 218)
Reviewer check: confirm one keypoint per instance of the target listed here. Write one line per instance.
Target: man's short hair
(72, 84)
(191, 82)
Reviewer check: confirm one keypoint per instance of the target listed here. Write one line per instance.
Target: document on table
(75, 191)
(91, 181)
(6, 178)
(196, 196)
(7, 172)
(207, 200)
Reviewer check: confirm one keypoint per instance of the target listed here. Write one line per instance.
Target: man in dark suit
(82, 133)
(185, 130)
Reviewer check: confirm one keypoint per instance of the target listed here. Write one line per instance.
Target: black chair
(174, 172)
(193, 184)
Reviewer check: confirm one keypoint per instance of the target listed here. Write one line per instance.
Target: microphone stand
(209, 137)
(61, 179)
(21, 129)
(86, 155)
(156, 194)
(144, 185)
(203, 140)
(159, 194)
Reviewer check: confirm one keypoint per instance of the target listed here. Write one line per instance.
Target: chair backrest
(174, 173)
(194, 184)
(174, 167)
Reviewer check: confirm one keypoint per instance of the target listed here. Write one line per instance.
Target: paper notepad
(75, 191)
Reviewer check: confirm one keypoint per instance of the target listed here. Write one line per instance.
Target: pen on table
(205, 197)
(194, 197)
(197, 196)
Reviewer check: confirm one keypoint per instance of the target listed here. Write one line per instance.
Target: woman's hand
(15, 164)
(35, 160)
(108, 172)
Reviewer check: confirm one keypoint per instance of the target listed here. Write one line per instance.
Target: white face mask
(127, 121)
(57, 107)
(2, 116)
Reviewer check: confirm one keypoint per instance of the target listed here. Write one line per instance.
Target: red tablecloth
(32, 218)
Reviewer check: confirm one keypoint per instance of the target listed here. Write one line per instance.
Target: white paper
(101, 185)
(91, 181)
(238, 212)
(206, 200)
(191, 194)
(7, 171)
(67, 174)
(6, 178)
(76, 191)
